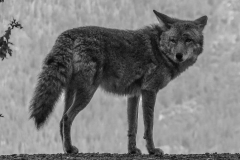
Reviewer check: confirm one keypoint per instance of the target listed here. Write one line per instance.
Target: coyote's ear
(164, 20)
(201, 22)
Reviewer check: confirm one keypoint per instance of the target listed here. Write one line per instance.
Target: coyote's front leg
(148, 102)
(132, 110)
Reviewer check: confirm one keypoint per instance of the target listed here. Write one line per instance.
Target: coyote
(133, 63)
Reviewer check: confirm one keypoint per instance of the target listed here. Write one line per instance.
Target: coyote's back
(125, 62)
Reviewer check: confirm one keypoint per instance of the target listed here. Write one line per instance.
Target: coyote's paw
(71, 149)
(134, 151)
(156, 152)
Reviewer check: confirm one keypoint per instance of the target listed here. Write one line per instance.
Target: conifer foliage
(4, 40)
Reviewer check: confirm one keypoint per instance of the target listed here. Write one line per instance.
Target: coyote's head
(181, 40)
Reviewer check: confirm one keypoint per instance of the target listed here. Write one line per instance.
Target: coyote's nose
(179, 57)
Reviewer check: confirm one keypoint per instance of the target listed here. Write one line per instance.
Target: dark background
(196, 113)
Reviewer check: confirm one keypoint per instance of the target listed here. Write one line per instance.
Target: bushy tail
(56, 72)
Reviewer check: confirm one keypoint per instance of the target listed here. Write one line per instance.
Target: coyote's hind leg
(81, 98)
(69, 98)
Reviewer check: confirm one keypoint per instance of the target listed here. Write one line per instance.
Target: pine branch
(4, 40)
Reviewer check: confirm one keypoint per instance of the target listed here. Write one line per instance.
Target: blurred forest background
(196, 113)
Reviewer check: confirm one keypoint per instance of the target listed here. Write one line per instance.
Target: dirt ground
(108, 156)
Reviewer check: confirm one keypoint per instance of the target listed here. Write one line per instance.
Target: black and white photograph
(120, 79)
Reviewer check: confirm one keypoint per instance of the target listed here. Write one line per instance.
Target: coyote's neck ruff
(125, 62)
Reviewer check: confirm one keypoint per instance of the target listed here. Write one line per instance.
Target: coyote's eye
(188, 40)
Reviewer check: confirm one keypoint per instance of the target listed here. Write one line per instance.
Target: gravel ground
(108, 156)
